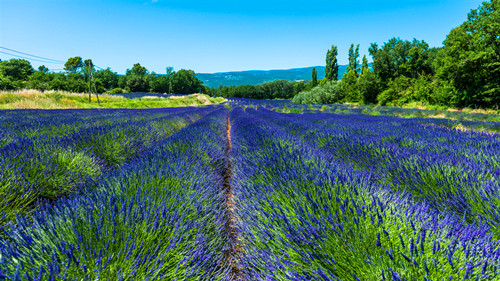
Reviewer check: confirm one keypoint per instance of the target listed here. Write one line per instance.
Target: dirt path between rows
(234, 250)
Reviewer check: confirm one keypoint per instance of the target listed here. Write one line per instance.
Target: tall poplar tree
(365, 68)
(353, 60)
(314, 77)
(332, 66)
(356, 61)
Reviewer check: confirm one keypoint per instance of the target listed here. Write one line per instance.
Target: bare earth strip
(230, 227)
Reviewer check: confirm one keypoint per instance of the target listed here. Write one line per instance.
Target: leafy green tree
(169, 71)
(122, 81)
(353, 60)
(397, 88)
(327, 93)
(135, 80)
(88, 67)
(418, 62)
(314, 77)
(137, 69)
(16, 69)
(332, 66)
(137, 83)
(108, 78)
(278, 89)
(471, 58)
(58, 84)
(76, 83)
(365, 67)
(39, 79)
(185, 82)
(42, 68)
(349, 83)
(157, 83)
(398, 57)
(73, 64)
(7, 84)
(368, 86)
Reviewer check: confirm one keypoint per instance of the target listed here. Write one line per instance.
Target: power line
(45, 60)
(30, 58)
(29, 54)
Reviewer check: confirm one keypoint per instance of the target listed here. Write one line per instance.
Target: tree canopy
(73, 64)
(332, 66)
(465, 72)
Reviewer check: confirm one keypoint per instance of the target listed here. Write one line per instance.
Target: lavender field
(243, 191)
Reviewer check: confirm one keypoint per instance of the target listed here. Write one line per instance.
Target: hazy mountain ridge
(254, 77)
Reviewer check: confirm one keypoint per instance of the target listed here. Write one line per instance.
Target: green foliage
(444, 94)
(396, 89)
(463, 73)
(73, 64)
(403, 90)
(328, 93)
(314, 77)
(137, 83)
(16, 69)
(39, 80)
(353, 60)
(368, 86)
(7, 84)
(89, 65)
(365, 68)
(56, 100)
(471, 57)
(332, 66)
(185, 82)
(57, 96)
(278, 89)
(115, 91)
(109, 78)
(43, 69)
(400, 58)
(350, 86)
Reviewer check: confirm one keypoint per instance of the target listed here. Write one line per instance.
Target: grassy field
(33, 99)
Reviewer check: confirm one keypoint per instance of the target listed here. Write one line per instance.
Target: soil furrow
(234, 248)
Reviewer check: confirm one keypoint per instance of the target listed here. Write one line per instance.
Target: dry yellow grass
(34, 99)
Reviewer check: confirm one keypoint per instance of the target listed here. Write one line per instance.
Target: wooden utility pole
(95, 88)
(92, 79)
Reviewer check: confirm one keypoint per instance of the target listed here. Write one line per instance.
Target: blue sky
(217, 35)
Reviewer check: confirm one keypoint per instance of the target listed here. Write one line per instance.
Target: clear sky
(217, 35)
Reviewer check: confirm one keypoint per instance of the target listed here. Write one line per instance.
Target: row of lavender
(156, 218)
(446, 118)
(329, 197)
(448, 169)
(317, 197)
(47, 154)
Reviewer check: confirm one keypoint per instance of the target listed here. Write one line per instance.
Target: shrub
(330, 92)
(396, 90)
(56, 96)
(115, 91)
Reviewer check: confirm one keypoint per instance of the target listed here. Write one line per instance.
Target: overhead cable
(30, 58)
(30, 55)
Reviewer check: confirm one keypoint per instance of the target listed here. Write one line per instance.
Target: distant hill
(254, 77)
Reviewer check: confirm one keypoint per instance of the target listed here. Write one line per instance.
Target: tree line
(16, 74)
(465, 72)
(278, 89)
